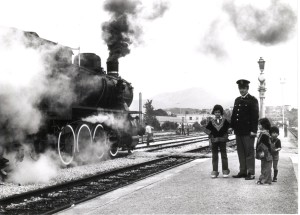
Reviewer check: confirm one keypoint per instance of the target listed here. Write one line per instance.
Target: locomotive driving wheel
(66, 145)
(100, 141)
(113, 143)
(114, 149)
(84, 142)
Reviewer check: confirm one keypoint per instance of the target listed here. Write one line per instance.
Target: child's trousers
(266, 172)
(275, 164)
(215, 157)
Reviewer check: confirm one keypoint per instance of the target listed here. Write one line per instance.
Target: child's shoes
(261, 183)
(226, 173)
(214, 174)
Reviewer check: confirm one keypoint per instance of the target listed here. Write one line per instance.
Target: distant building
(162, 119)
(169, 113)
(189, 119)
(275, 112)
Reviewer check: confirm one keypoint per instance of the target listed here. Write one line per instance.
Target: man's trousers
(245, 150)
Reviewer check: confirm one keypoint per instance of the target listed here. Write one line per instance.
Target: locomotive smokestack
(113, 68)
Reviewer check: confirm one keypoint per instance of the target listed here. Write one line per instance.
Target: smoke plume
(118, 33)
(159, 9)
(267, 27)
(123, 29)
(211, 43)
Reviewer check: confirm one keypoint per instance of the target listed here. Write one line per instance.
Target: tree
(292, 117)
(149, 116)
(160, 112)
(203, 122)
(227, 114)
(197, 126)
(169, 125)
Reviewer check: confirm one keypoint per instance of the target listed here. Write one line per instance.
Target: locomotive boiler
(90, 117)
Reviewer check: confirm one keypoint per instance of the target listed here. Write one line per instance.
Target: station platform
(189, 189)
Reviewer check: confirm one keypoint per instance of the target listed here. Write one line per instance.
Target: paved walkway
(188, 189)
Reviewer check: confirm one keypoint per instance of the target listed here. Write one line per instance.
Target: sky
(180, 44)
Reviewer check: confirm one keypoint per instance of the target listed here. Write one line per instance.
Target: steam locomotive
(93, 118)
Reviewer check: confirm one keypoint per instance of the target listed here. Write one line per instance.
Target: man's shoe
(274, 180)
(239, 175)
(250, 177)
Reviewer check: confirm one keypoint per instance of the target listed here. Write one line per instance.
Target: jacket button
(237, 114)
(238, 109)
(237, 119)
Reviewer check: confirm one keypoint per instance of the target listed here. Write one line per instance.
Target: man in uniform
(244, 121)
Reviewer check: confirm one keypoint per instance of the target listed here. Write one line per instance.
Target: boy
(274, 131)
(264, 152)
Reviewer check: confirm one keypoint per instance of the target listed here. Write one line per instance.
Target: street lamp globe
(261, 78)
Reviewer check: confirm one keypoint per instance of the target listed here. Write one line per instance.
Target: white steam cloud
(19, 79)
(113, 121)
(25, 79)
(30, 172)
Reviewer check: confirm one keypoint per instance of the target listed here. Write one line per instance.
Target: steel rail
(44, 192)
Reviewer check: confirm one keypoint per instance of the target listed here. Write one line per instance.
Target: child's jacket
(263, 147)
(217, 130)
(277, 144)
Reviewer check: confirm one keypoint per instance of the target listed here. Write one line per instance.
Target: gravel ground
(72, 173)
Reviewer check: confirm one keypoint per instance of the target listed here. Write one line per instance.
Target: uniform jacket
(244, 118)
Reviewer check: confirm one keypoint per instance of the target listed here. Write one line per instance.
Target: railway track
(52, 199)
(56, 198)
(294, 132)
(169, 137)
(171, 141)
(175, 144)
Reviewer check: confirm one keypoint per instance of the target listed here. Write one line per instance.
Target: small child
(263, 152)
(217, 131)
(274, 131)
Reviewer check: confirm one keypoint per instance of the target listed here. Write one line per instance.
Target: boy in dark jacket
(263, 152)
(217, 131)
(274, 131)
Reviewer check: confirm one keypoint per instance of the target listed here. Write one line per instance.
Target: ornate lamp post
(262, 87)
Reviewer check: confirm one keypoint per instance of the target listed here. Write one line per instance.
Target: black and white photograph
(149, 107)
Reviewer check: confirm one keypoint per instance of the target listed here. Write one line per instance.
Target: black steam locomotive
(92, 120)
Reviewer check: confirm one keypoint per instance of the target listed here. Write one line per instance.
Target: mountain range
(188, 98)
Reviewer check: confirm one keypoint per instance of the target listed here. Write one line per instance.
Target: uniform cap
(243, 83)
